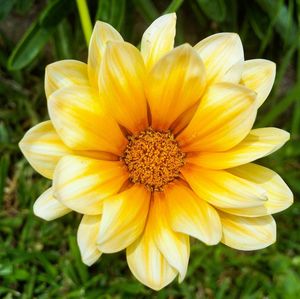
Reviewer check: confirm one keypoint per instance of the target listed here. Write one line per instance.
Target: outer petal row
(43, 148)
(65, 73)
(158, 39)
(87, 237)
(248, 233)
(222, 189)
(219, 53)
(259, 143)
(48, 207)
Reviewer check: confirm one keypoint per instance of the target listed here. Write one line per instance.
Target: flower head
(155, 146)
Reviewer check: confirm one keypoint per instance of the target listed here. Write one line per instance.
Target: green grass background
(40, 259)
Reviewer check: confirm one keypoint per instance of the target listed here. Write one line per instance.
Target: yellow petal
(82, 183)
(43, 148)
(219, 53)
(224, 118)
(158, 39)
(279, 195)
(259, 75)
(175, 84)
(259, 143)
(48, 207)
(123, 220)
(191, 215)
(248, 233)
(174, 246)
(234, 74)
(222, 189)
(82, 123)
(102, 33)
(147, 263)
(121, 84)
(65, 73)
(86, 238)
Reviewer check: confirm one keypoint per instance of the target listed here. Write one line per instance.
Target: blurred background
(40, 259)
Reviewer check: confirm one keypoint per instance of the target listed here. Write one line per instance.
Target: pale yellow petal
(259, 143)
(102, 33)
(121, 84)
(82, 183)
(48, 207)
(223, 119)
(147, 263)
(123, 220)
(259, 75)
(279, 195)
(65, 73)
(43, 148)
(191, 215)
(219, 53)
(158, 39)
(175, 84)
(234, 74)
(223, 189)
(86, 238)
(174, 246)
(248, 233)
(82, 122)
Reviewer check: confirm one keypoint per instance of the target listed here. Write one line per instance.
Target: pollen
(153, 158)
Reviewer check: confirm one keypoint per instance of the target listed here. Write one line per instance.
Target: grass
(40, 259)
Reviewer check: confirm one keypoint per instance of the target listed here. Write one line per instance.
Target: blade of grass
(280, 107)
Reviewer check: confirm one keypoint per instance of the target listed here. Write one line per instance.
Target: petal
(279, 195)
(174, 246)
(48, 207)
(123, 220)
(102, 33)
(175, 84)
(79, 118)
(147, 263)
(219, 53)
(224, 118)
(248, 233)
(65, 73)
(121, 84)
(259, 75)
(82, 183)
(43, 148)
(234, 74)
(259, 143)
(158, 39)
(86, 238)
(223, 189)
(191, 215)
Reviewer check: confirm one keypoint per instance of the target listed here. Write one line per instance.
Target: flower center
(153, 158)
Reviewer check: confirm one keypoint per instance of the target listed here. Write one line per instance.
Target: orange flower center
(153, 158)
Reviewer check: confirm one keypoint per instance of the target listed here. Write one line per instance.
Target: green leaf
(147, 9)
(214, 9)
(174, 6)
(38, 34)
(3, 173)
(112, 12)
(283, 17)
(6, 7)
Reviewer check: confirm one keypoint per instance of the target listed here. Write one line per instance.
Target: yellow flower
(154, 146)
